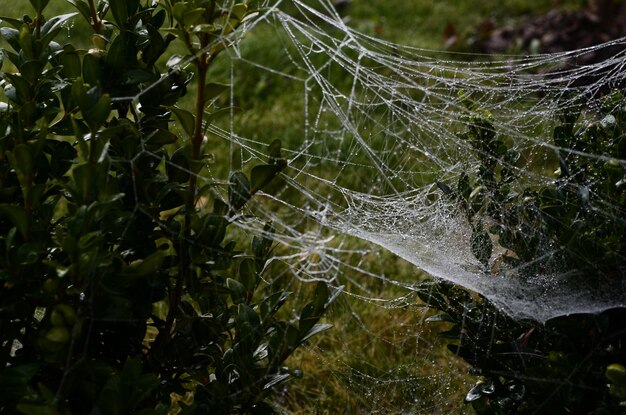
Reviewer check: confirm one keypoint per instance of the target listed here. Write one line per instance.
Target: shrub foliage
(120, 293)
(573, 227)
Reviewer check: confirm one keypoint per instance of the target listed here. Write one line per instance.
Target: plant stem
(196, 143)
(96, 23)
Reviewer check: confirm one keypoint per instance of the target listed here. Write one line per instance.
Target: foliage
(120, 292)
(573, 226)
(570, 364)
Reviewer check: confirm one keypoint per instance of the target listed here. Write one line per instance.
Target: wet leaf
(53, 26)
(481, 244)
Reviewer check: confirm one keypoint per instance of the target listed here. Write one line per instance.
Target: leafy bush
(120, 292)
(574, 227)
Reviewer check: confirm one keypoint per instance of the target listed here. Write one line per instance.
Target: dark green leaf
(246, 317)
(445, 188)
(262, 175)
(31, 70)
(119, 9)
(178, 166)
(85, 177)
(238, 291)
(39, 5)
(18, 216)
(122, 53)
(308, 318)
(82, 7)
(96, 115)
(22, 90)
(481, 245)
(247, 274)
(161, 137)
(25, 162)
(212, 90)
(16, 23)
(14, 381)
(52, 27)
(186, 119)
(321, 298)
(272, 304)
(463, 186)
(238, 190)
(70, 61)
(93, 69)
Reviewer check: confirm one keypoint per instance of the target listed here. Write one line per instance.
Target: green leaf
(318, 328)
(440, 318)
(308, 318)
(119, 10)
(481, 245)
(21, 91)
(93, 69)
(18, 216)
(463, 186)
(239, 10)
(97, 115)
(12, 37)
(320, 297)
(274, 151)
(262, 175)
(186, 119)
(445, 188)
(25, 162)
(82, 7)
(26, 42)
(161, 137)
(52, 27)
(146, 266)
(14, 381)
(178, 166)
(85, 177)
(16, 23)
(247, 317)
(247, 274)
(122, 53)
(237, 290)
(31, 70)
(272, 304)
(238, 191)
(192, 17)
(70, 61)
(39, 5)
(212, 90)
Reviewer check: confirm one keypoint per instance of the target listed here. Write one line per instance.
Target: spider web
(378, 127)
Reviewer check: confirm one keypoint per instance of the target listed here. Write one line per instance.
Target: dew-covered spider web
(379, 126)
(376, 140)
